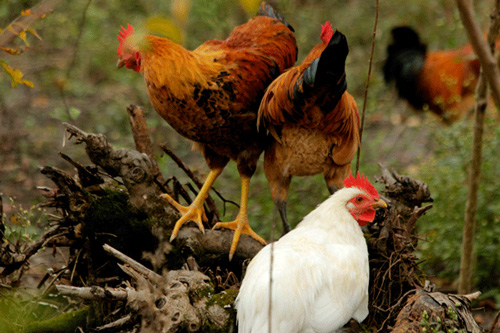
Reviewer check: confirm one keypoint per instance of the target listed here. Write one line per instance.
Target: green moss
(65, 322)
(112, 220)
(222, 299)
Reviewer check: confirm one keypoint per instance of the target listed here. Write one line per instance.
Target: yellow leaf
(22, 35)
(34, 33)
(26, 12)
(11, 50)
(165, 27)
(250, 6)
(180, 10)
(16, 76)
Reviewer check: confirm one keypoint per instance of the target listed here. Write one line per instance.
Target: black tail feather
(326, 72)
(405, 59)
(267, 10)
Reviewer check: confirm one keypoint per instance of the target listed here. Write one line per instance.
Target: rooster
(320, 270)
(443, 82)
(211, 96)
(314, 122)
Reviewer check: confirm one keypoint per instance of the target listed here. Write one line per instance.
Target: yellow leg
(195, 211)
(240, 224)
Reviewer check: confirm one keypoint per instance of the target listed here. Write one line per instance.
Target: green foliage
(437, 326)
(446, 175)
(23, 225)
(29, 311)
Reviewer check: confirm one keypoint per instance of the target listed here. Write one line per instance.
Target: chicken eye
(359, 199)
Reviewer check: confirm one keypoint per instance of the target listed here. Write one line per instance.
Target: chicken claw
(193, 212)
(240, 224)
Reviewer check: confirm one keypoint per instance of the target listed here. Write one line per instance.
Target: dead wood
(394, 272)
(178, 300)
(142, 140)
(12, 260)
(436, 311)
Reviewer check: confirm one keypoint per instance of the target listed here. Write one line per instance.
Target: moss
(222, 299)
(65, 322)
(112, 220)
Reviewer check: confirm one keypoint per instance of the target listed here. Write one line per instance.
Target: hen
(320, 270)
(313, 120)
(211, 96)
(443, 82)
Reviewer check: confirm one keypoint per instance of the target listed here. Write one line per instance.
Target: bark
(435, 311)
(474, 174)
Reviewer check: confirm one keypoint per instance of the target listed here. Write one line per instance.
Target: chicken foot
(240, 225)
(194, 212)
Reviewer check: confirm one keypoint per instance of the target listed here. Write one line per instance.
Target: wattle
(366, 217)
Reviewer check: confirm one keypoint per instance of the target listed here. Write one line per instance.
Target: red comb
(123, 34)
(326, 32)
(362, 183)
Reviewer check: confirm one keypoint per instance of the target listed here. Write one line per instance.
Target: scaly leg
(240, 224)
(195, 211)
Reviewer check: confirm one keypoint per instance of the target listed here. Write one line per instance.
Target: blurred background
(73, 70)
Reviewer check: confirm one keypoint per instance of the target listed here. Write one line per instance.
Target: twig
(116, 324)
(134, 264)
(209, 201)
(29, 252)
(95, 293)
(417, 213)
(370, 63)
(495, 322)
(22, 22)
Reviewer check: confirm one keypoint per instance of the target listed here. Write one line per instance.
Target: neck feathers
(167, 64)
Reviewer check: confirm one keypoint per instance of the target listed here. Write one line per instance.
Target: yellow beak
(120, 63)
(379, 203)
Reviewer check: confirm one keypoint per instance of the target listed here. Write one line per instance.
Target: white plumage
(320, 272)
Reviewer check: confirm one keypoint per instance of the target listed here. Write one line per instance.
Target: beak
(379, 203)
(120, 63)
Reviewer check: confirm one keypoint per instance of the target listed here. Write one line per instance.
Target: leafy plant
(445, 174)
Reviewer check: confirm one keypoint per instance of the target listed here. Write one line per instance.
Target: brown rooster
(313, 120)
(443, 82)
(211, 96)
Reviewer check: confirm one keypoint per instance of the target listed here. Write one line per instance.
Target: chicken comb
(362, 183)
(326, 32)
(123, 34)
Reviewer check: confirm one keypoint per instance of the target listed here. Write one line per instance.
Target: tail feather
(327, 71)
(267, 10)
(405, 60)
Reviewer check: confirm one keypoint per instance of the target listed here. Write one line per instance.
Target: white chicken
(320, 270)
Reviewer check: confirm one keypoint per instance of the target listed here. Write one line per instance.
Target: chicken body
(211, 96)
(313, 120)
(442, 81)
(320, 270)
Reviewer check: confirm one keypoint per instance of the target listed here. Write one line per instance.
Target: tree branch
(22, 22)
(485, 55)
(474, 174)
